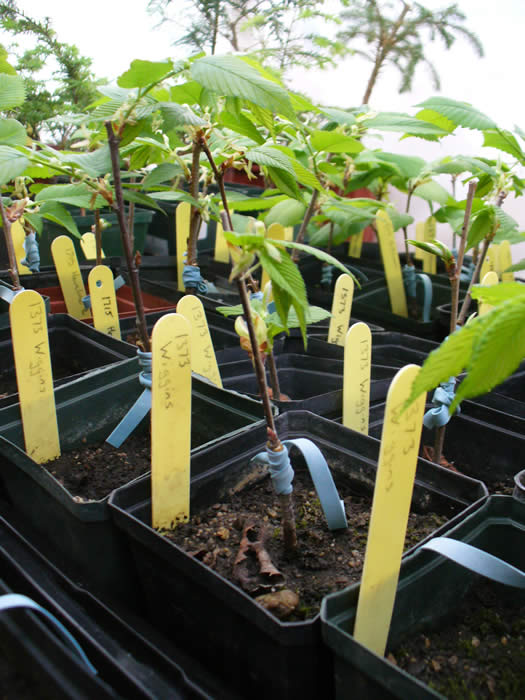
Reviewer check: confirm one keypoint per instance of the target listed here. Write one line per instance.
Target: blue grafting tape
(332, 505)
(257, 295)
(477, 560)
(424, 283)
(409, 279)
(281, 471)
(191, 277)
(140, 408)
(32, 258)
(10, 601)
(118, 282)
(327, 273)
(443, 397)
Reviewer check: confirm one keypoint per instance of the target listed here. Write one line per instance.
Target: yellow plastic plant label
(182, 233)
(390, 509)
(341, 309)
(203, 360)
(505, 261)
(18, 235)
(391, 264)
(68, 271)
(420, 237)
(355, 245)
(222, 254)
(429, 233)
(489, 280)
(490, 264)
(104, 301)
(88, 243)
(34, 377)
(288, 233)
(277, 233)
(356, 381)
(170, 421)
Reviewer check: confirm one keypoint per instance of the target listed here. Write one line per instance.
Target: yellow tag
(355, 245)
(341, 309)
(203, 360)
(490, 279)
(391, 264)
(390, 509)
(420, 237)
(356, 382)
(505, 261)
(18, 236)
(277, 233)
(170, 421)
(104, 301)
(182, 233)
(88, 243)
(222, 254)
(429, 260)
(34, 376)
(288, 233)
(68, 271)
(490, 264)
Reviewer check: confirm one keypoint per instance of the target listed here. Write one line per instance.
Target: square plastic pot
(87, 411)
(239, 640)
(430, 588)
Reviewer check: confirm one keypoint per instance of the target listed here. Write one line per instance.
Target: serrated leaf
(428, 247)
(503, 141)
(340, 116)
(319, 254)
(177, 116)
(459, 113)
(12, 133)
(174, 196)
(131, 195)
(187, 93)
(94, 164)
(232, 77)
(78, 195)
(431, 117)
(288, 213)
(499, 349)
(241, 202)
(497, 293)
(301, 104)
(271, 157)
(35, 221)
(143, 73)
(12, 163)
(241, 125)
(59, 215)
(481, 226)
(285, 182)
(516, 267)
(461, 164)
(12, 91)
(334, 142)
(162, 173)
(263, 117)
(407, 166)
(432, 192)
(394, 121)
(305, 176)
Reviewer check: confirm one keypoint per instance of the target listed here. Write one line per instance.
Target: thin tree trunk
(308, 215)
(13, 269)
(98, 238)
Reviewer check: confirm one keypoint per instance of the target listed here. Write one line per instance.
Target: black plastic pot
(168, 288)
(430, 589)
(241, 641)
(481, 442)
(131, 659)
(76, 349)
(87, 411)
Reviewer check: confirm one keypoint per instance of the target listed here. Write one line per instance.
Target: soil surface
(479, 654)
(325, 561)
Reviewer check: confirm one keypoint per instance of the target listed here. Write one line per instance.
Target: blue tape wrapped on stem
(410, 280)
(32, 258)
(443, 396)
(191, 277)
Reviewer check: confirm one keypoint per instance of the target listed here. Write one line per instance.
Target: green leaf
(497, 293)
(59, 215)
(288, 213)
(12, 163)
(334, 142)
(481, 226)
(305, 176)
(78, 195)
(35, 221)
(432, 192)
(95, 164)
(271, 157)
(174, 196)
(188, 93)
(285, 182)
(459, 113)
(394, 121)
(162, 173)
(232, 77)
(241, 202)
(12, 91)
(12, 133)
(516, 267)
(499, 349)
(340, 116)
(503, 141)
(461, 164)
(431, 248)
(241, 125)
(143, 73)
(131, 195)
(407, 166)
(431, 117)
(319, 254)
(177, 116)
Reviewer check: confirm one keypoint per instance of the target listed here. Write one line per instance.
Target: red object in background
(125, 305)
(368, 234)
(239, 177)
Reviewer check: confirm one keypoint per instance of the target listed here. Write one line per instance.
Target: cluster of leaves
(489, 347)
